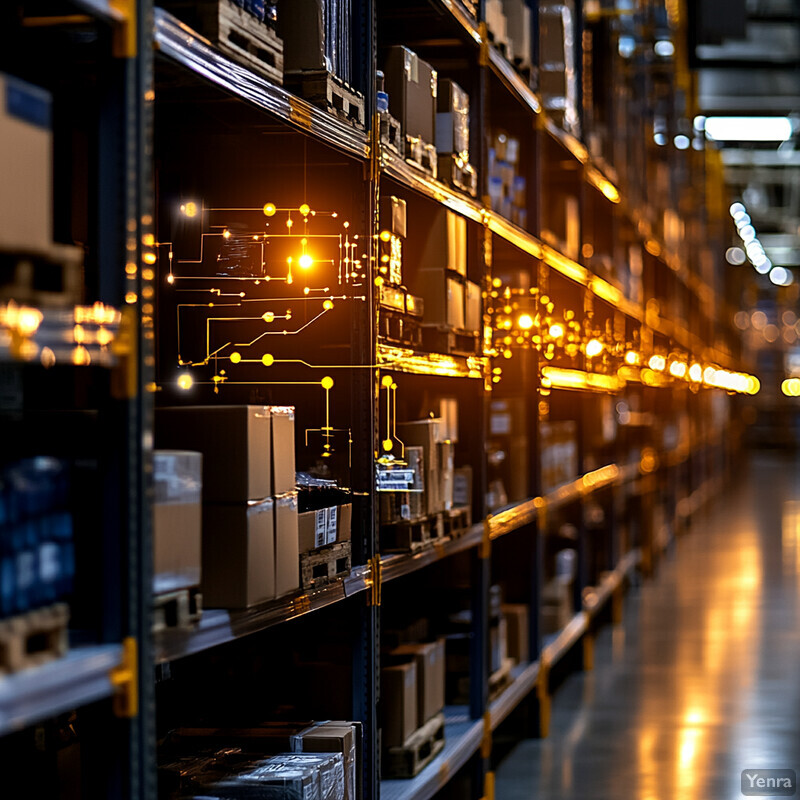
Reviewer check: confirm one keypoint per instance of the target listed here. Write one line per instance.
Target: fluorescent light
(749, 129)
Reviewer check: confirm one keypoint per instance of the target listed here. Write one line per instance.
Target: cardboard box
(393, 217)
(324, 526)
(446, 245)
(443, 296)
(498, 645)
(462, 486)
(287, 550)
(430, 660)
(399, 703)
(26, 164)
(332, 737)
(517, 617)
(425, 435)
(496, 21)
(301, 25)
(518, 25)
(452, 119)
(238, 554)
(447, 462)
(473, 310)
(412, 87)
(283, 462)
(235, 442)
(558, 442)
(177, 520)
(344, 530)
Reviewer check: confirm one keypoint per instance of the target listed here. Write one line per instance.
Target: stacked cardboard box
(437, 461)
(559, 454)
(452, 137)
(507, 188)
(250, 526)
(558, 74)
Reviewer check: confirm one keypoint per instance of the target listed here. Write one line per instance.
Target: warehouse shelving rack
(125, 224)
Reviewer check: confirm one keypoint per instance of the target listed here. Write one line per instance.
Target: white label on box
(320, 527)
(333, 517)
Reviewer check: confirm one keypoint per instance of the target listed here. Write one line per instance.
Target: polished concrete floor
(702, 679)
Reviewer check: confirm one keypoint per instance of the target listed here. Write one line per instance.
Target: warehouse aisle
(702, 680)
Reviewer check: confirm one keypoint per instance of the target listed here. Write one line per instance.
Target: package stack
(37, 562)
(557, 594)
(340, 739)
(242, 29)
(177, 536)
(452, 302)
(36, 271)
(558, 73)
(518, 31)
(559, 454)
(507, 188)
(318, 55)
(497, 24)
(250, 550)
(517, 623)
(324, 527)
(412, 86)
(452, 138)
(401, 312)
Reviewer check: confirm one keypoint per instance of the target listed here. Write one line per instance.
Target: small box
(446, 410)
(412, 87)
(283, 462)
(26, 164)
(333, 737)
(496, 21)
(518, 19)
(312, 529)
(393, 216)
(235, 442)
(177, 520)
(446, 245)
(429, 659)
(444, 298)
(238, 554)
(425, 434)
(462, 487)
(517, 617)
(399, 702)
(473, 313)
(287, 550)
(344, 532)
(452, 119)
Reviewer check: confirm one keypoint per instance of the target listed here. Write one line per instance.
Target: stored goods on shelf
(498, 27)
(239, 554)
(242, 29)
(517, 617)
(426, 434)
(452, 119)
(429, 658)
(559, 454)
(177, 520)
(558, 74)
(283, 455)
(324, 526)
(518, 30)
(399, 703)
(287, 552)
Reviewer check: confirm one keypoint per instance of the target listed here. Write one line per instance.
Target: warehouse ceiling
(747, 56)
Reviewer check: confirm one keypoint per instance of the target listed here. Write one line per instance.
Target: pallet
(52, 277)
(459, 174)
(179, 609)
(500, 680)
(326, 91)
(457, 521)
(239, 34)
(417, 751)
(325, 564)
(444, 339)
(410, 536)
(391, 132)
(33, 638)
(400, 329)
(421, 154)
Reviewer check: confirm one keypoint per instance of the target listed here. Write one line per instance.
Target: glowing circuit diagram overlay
(238, 291)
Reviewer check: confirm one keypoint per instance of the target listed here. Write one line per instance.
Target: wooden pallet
(421, 155)
(325, 564)
(52, 277)
(459, 174)
(410, 536)
(391, 132)
(33, 638)
(500, 680)
(179, 609)
(326, 91)
(398, 328)
(417, 751)
(444, 339)
(237, 33)
(457, 521)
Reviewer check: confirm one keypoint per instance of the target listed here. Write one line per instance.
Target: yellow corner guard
(125, 680)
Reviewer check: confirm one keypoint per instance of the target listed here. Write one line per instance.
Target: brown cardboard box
(517, 621)
(287, 550)
(518, 19)
(312, 529)
(446, 245)
(344, 533)
(300, 23)
(430, 661)
(177, 520)
(399, 702)
(473, 316)
(26, 164)
(412, 87)
(425, 434)
(443, 296)
(332, 737)
(235, 443)
(238, 554)
(452, 119)
(283, 464)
